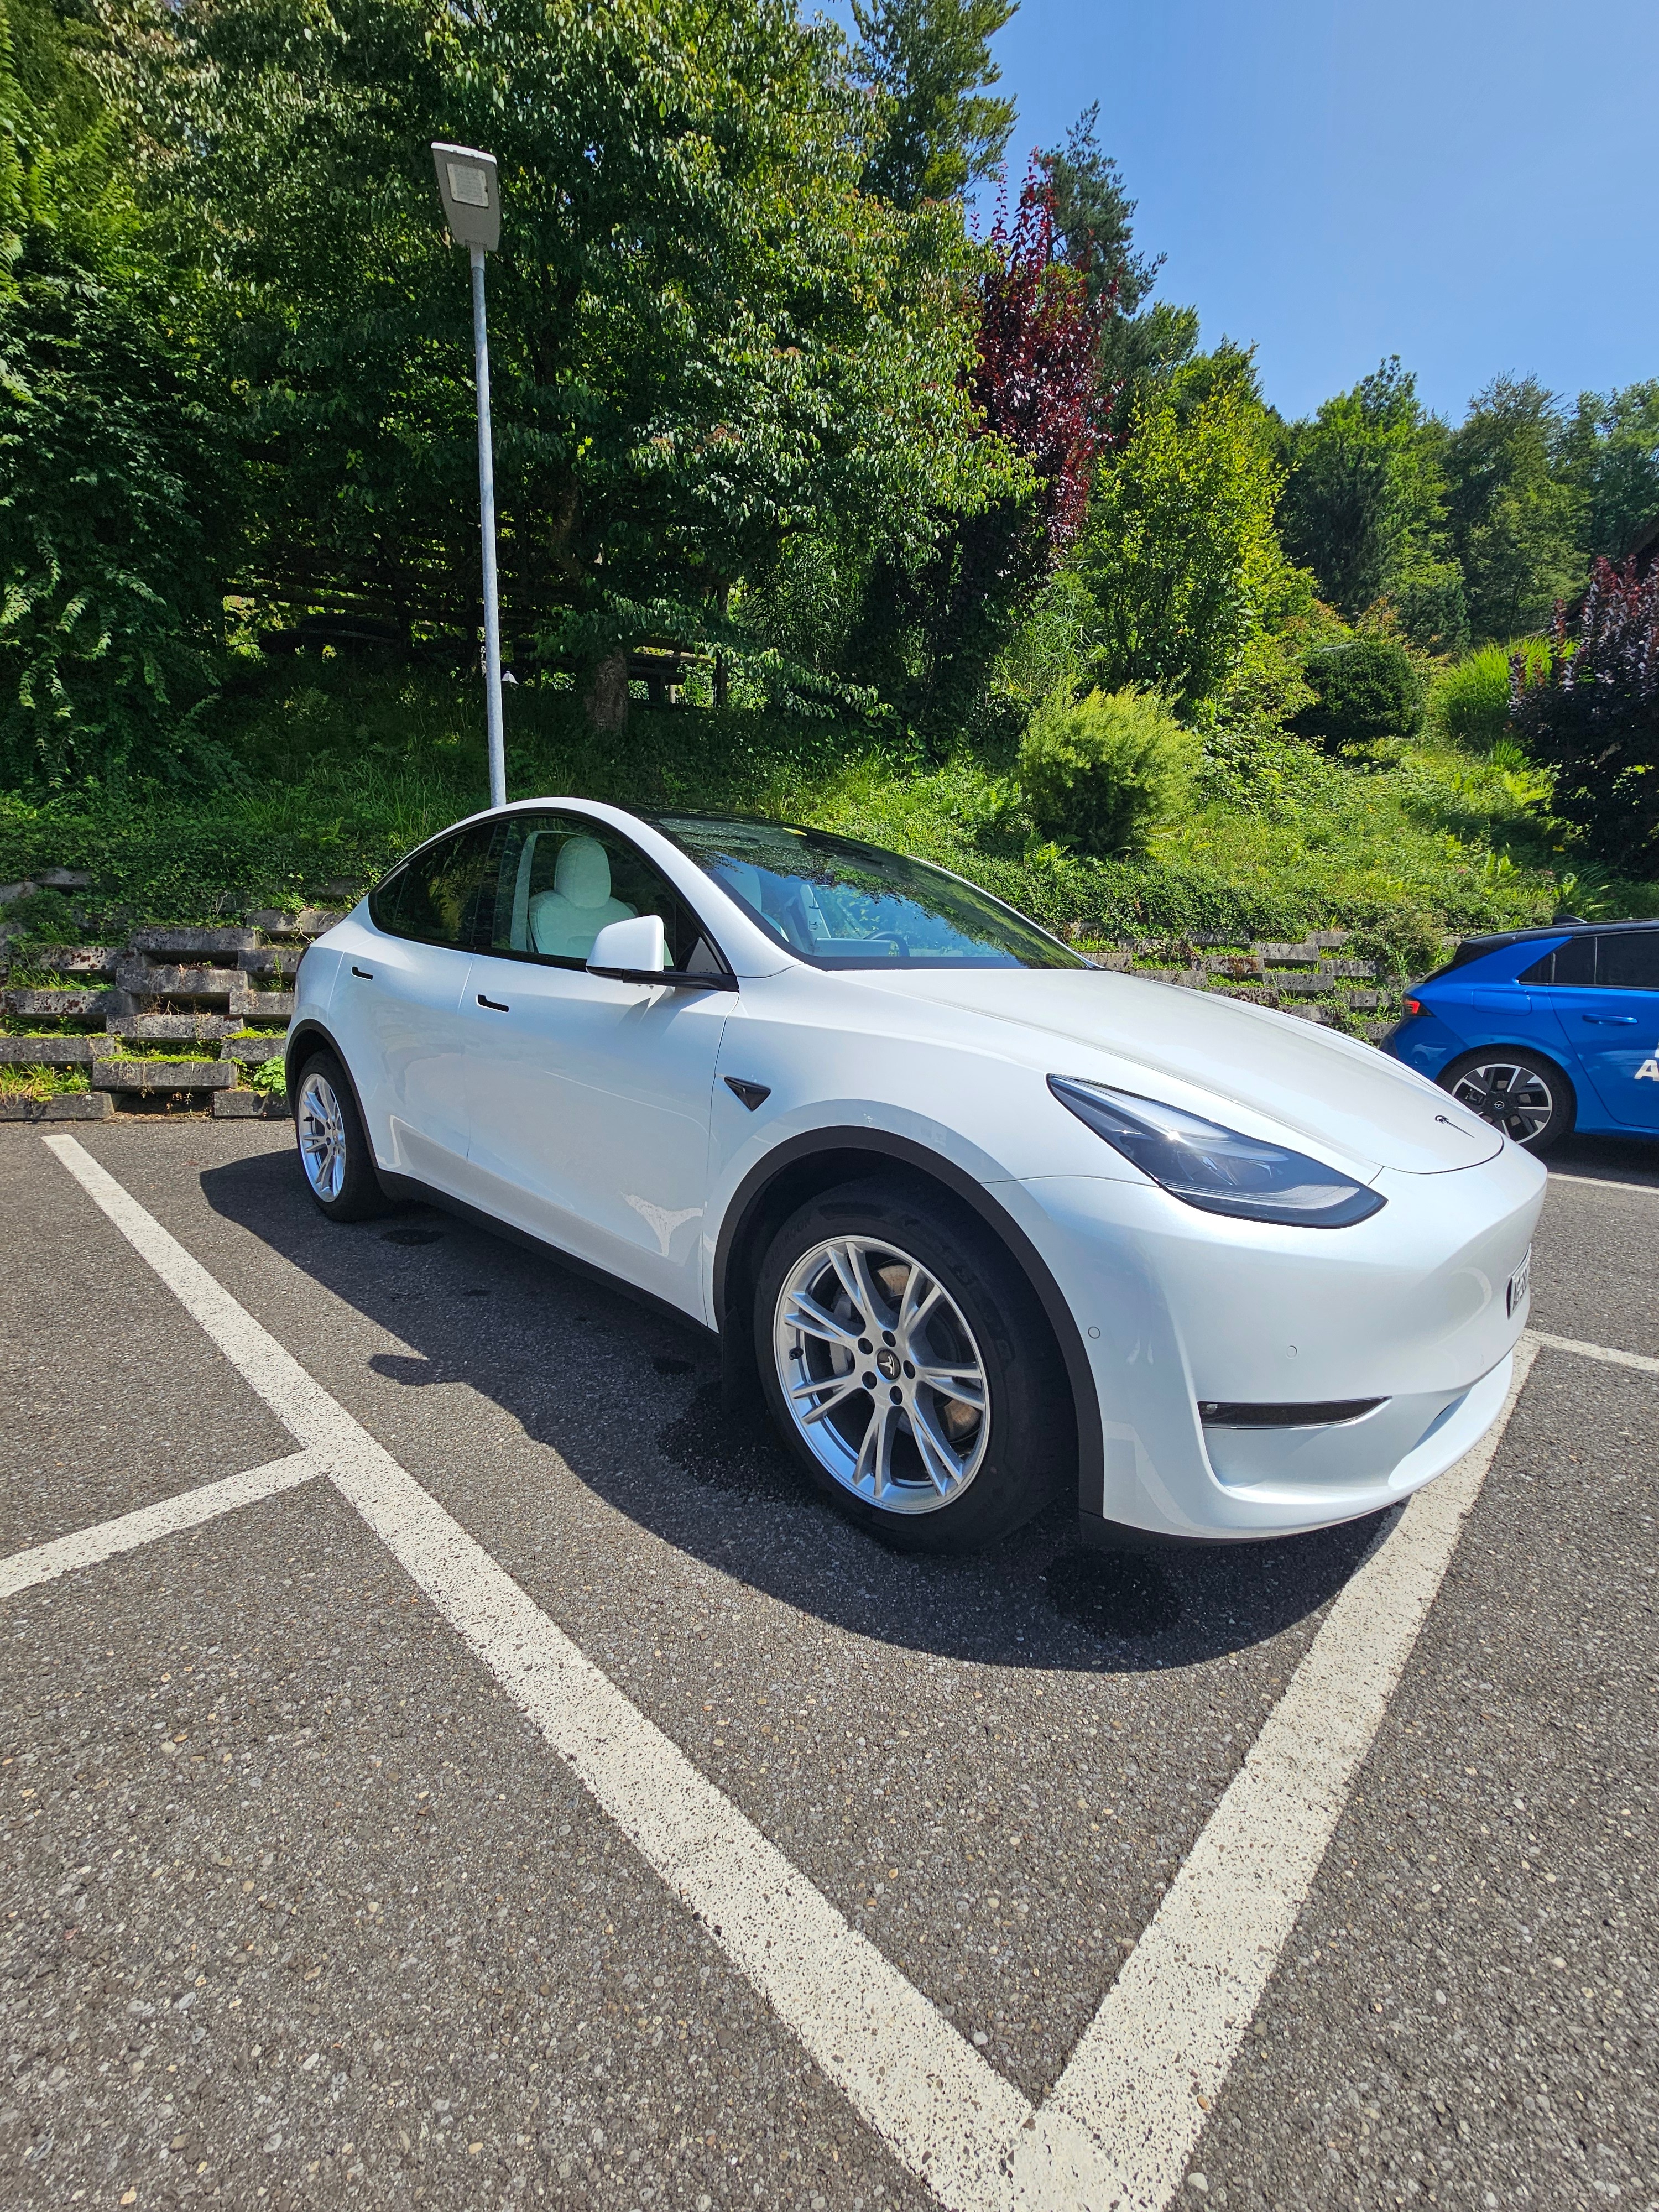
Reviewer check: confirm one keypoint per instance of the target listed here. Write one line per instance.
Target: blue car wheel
(1521, 1093)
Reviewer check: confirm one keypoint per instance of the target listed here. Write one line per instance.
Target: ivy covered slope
(337, 771)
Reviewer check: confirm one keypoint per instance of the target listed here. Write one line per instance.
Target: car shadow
(1606, 1159)
(630, 1401)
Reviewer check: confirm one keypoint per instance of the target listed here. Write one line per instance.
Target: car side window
(560, 880)
(1571, 965)
(1629, 961)
(441, 895)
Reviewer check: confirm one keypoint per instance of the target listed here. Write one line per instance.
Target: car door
(1612, 1028)
(397, 1008)
(589, 1098)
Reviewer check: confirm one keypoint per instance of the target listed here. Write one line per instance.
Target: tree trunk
(607, 701)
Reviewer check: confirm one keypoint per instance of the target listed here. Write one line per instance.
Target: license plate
(1520, 1285)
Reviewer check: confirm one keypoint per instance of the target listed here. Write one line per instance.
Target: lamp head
(471, 196)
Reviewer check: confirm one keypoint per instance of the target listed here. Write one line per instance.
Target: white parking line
(44, 1563)
(1122, 2123)
(1595, 1351)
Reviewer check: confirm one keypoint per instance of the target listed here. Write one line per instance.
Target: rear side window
(1629, 961)
(1572, 965)
(558, 880)
(442, 895)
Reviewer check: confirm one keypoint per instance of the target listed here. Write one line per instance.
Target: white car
(983, 1220)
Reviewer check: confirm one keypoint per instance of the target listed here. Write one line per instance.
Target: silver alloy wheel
(881, 1374)
(322, 1131)
(1508, 1093)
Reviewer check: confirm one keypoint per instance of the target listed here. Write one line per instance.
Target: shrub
(1105, 771)
(1469, 702)
(1363, 689)
(1588, 710)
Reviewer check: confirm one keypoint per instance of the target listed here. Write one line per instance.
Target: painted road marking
(45, 1563)
(1638, 1360)
(1122, 2123)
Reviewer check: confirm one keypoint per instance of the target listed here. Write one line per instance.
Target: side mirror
(634, 950)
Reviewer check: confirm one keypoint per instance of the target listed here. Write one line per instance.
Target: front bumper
(1177, 1307)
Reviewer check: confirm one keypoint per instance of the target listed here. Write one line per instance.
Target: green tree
(113, 503)
(705, 340)
(1514, 517)
(1093, 215)
(1180, 556)
(1608, 452)
(1364, 505)
(928, 63)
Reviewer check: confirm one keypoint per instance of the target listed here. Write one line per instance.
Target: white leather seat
(564, 921)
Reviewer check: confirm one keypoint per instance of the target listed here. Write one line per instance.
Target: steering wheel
(889, 937)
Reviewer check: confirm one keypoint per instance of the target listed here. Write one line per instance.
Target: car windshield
(848, 905)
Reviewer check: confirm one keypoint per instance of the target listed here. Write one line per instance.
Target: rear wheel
(1520, 1092)
(334, 1154)
(906, 1362)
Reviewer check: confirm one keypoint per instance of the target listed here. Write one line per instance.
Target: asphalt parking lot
(330, 1871)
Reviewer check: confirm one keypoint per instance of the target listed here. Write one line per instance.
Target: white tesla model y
(982, 1220)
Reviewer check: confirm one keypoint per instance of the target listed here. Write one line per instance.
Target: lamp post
(473, 208)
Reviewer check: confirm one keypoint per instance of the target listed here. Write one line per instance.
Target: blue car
(1545, 1030)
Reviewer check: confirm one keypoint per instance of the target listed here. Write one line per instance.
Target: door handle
(367, 974)
(1610, 1021)
(494, 1005)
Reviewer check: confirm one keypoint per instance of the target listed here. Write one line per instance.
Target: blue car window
(1571, 965)
(1629, 961)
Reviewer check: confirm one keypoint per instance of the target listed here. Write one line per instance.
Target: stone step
(255, 1051)
(173, 1029)
(247, 1106)
(262, 1006)
(271, 960)
(310, 921)
(60, 1006)
(163, 1074)
(143, 980)
(54, 1051)
(79, 1106)
(74, 959)
(199, 941)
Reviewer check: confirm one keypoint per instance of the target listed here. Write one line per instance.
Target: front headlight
(1215, 1168)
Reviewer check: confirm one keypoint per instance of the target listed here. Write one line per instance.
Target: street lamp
(472, 209)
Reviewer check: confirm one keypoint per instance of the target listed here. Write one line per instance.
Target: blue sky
(1471, 184)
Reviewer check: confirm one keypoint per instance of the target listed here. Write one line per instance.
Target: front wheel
(334, 1154)
(907, 1362)
(1519, 1092)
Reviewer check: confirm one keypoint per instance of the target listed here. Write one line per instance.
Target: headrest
(582, 872)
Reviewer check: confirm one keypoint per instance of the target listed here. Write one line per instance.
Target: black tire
(1021, 1442)
(1512, 1087)
(347, 1189)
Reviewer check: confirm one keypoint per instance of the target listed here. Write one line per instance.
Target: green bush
(1363, 689)
(1469, 703)
(1102, 773)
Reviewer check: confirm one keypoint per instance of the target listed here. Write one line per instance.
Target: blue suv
(1545, 1030)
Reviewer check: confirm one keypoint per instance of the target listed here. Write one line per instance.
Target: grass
(42, 1083)
(329, 773)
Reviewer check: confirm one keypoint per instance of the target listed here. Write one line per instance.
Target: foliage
(1591, 715)
(110, 494)
(1364, 506)
(268, 1077)
(1180, 556)
(1405, 942)
(705, 339)
(1366, 688)
(932, 630)
(926, 62)
(1470, 701)
(38, 1084)
(1513, 518)
(1103, 772)
(1608, 450)
(1092, 215)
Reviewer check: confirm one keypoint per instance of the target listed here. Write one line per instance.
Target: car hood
(1099, 1025)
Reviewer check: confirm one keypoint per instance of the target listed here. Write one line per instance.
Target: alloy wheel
(881, 1375)
(322, 1133)
(1512, 1096)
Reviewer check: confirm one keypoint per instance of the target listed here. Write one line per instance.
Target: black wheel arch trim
(881, 1146)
